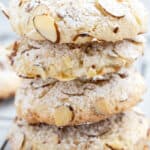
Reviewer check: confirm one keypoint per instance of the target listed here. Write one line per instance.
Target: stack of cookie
(76, 58)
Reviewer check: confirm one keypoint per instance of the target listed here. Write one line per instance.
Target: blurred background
(7, 111)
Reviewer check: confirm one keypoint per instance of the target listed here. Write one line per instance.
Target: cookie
(9, 81)
(78, 21)
(66, 62)
(79, 101)
(125, 131)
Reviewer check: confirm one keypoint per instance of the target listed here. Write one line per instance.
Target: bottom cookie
(125, 131)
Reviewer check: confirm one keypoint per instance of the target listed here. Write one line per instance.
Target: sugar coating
(123, 20)
(68, 61)
(88, 100)
(128, 131)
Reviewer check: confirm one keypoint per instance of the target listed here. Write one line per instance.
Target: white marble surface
(7, 111)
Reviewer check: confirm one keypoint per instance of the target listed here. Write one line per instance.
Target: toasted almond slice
(38, 10)
(115, 145)
(63, 115)
(4, 10)
(103, 107)
(82, 38)
(138, 40)
(46, 27)
(112, 8)
(22, 1)
(131, 54)
(18, 138)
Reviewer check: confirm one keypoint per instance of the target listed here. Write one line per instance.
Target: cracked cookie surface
(66, 62)
(80, 21)
(79, 101)
(125, 131)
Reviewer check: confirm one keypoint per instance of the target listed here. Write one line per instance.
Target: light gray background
(7, 111)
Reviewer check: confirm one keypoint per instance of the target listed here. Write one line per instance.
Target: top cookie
(80, 21)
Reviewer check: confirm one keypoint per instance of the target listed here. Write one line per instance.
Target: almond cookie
(78, 21)
(68, 61)
(9, 81)
(79, 101)
(125, 131)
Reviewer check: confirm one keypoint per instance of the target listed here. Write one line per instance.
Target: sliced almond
(138, 20)
(109, 69)
(91, 72)
(18, 140)
(22, 1)
(4, 10)
(136, 41)
(46, 27)
(103, 107)
(115, 145)
(111, 8)
(38, 10)
(82, 38)
(67, 62)
(63, 115)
